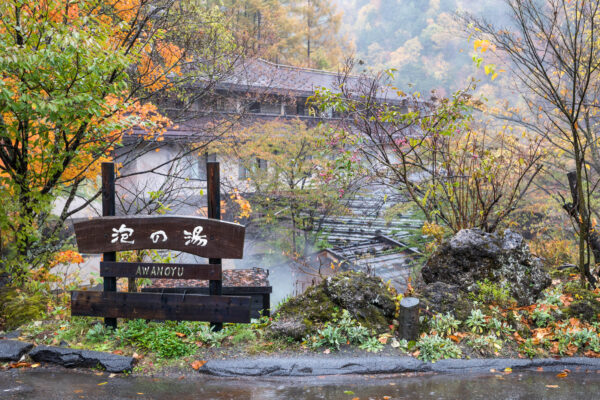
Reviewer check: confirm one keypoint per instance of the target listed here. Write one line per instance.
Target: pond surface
(49, 384)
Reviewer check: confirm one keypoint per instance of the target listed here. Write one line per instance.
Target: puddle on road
(49, 384)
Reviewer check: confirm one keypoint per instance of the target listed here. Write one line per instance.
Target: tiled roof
(258, 74)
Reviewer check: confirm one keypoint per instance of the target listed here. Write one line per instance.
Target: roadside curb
(317, 366)
(13, 350)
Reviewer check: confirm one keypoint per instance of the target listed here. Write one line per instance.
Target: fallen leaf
(112, 375)
(493, 370)
(118, 352)
(99, 373)
(102, 383)
(348, 392)
(552, 386)
(181, 335)
(540, 369)
(562, 375)
(508, 370)
(356, 398)
(78, 391)
(386, 397)
(196, 365)
(327, 351)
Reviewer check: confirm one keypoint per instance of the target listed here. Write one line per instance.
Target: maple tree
(76, 76)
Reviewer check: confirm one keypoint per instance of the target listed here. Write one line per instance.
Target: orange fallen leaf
(118, 352)
(181, 335)
(386, 397)
(552, 386)
(540, 369)
(454, 338)
(196, 365)
(562, 375)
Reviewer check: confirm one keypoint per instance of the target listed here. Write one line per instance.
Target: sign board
(203, 237)
(158, 270)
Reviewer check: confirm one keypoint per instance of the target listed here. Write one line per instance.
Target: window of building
(254, 107)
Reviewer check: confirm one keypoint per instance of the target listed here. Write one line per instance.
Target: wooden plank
(199, 236)
(159, 270)
(227, 290)
(177, 307)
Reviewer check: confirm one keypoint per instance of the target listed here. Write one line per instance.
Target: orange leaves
(197, 364)
(566, 299)
(563, 374)
(458, 336)
(180, 335)
(518, 338)
(66, 257)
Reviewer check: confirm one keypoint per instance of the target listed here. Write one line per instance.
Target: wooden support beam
(165, 306)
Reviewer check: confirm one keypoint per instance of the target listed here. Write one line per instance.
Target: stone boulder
(365, 297)
(473, 256)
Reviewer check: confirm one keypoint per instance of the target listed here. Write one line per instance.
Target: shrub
(492, 293)
(476, 321)
(434, 347)
(444, 324)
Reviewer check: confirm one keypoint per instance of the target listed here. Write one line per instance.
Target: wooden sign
(161, 306)
(158, 270)
(203, 237)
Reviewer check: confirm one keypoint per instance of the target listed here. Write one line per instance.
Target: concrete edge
(317, 366)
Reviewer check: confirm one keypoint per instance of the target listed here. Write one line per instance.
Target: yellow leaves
(483, 44)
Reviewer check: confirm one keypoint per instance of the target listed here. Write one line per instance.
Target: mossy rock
(440, 297)
(585, 304)
(18, 307)
(365, 297)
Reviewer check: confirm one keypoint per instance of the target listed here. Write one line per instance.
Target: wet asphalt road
(52, 383)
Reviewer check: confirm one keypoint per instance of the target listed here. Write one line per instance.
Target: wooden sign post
(108, 209)
(205, 237)
(213, 187)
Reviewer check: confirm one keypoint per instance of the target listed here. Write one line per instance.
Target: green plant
(372, 345)
(498, 327)
(434, 347)
(485, 343)
(476, 321)
(331, 337)
(492, 293)
(97, 333)
(342, 329)
(444, 324)
(542, 316)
